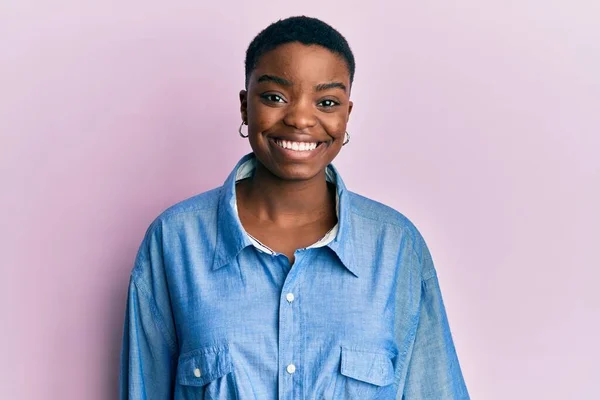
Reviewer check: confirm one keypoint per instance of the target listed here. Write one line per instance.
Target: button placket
(288, 334)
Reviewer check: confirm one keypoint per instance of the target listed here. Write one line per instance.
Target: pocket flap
(367, 366)
(199, 367)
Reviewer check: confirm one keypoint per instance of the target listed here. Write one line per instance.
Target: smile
(296, 146)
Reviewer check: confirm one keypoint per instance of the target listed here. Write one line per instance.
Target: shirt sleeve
(433, 371)
(148, 354)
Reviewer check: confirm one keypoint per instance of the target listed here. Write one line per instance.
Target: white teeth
(296, 146)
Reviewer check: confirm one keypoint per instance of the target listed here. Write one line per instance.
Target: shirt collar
(232, 238)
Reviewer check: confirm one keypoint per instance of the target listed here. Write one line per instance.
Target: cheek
(261, 117)
(335, 126)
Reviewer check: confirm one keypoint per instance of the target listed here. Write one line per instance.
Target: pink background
(479, 123)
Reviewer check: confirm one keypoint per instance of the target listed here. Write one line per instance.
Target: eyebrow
(331, 85)
(274, 79)
(284, 82)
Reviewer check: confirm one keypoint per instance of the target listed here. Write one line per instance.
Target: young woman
(283, 284)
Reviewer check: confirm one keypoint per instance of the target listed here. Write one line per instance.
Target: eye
(273, 98)
(328, 103)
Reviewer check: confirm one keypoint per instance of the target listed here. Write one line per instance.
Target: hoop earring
(347, 139)
(240, 130)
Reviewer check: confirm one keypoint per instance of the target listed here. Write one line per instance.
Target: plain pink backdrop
(481, 123)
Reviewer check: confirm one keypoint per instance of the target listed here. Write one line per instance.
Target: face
(297, 106)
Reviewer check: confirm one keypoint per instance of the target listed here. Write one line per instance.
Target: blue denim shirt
(212, 314)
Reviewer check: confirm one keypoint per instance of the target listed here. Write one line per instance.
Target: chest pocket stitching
(371, 367)
(210, 363)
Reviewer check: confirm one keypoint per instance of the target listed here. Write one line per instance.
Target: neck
(286, 203)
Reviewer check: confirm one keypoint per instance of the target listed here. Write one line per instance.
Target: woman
(282, 284)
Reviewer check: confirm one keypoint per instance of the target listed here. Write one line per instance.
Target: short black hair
(306, 30)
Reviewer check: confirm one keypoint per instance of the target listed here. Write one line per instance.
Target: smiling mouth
(297, 146)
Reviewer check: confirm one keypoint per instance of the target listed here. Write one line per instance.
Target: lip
(297, 155)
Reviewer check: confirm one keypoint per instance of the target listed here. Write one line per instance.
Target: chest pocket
(206, 374)
(365, 373)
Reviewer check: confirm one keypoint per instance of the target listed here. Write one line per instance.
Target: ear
(244, 105)
(350, 106)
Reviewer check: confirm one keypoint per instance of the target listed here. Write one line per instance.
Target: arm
(433, 371)
(148, 355)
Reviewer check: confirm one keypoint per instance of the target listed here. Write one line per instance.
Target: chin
(295, 172)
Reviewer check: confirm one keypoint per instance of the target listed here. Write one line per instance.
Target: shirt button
(197, 373)
(291, 368)
(289, 297)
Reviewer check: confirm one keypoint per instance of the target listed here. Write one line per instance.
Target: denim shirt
(212, 315)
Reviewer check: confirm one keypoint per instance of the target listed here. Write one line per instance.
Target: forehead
(300, 63)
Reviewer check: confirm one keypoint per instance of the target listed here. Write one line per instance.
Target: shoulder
(199, 203)
(199, 206)
(380, 214)
(382, 217)
(195, 212)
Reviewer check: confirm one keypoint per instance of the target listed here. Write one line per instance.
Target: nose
(300, 115)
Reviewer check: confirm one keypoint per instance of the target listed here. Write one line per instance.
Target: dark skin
(300, 94)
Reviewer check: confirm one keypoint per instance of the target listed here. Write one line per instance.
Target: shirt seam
(425, 275)
(159, 320)
(430, 277)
